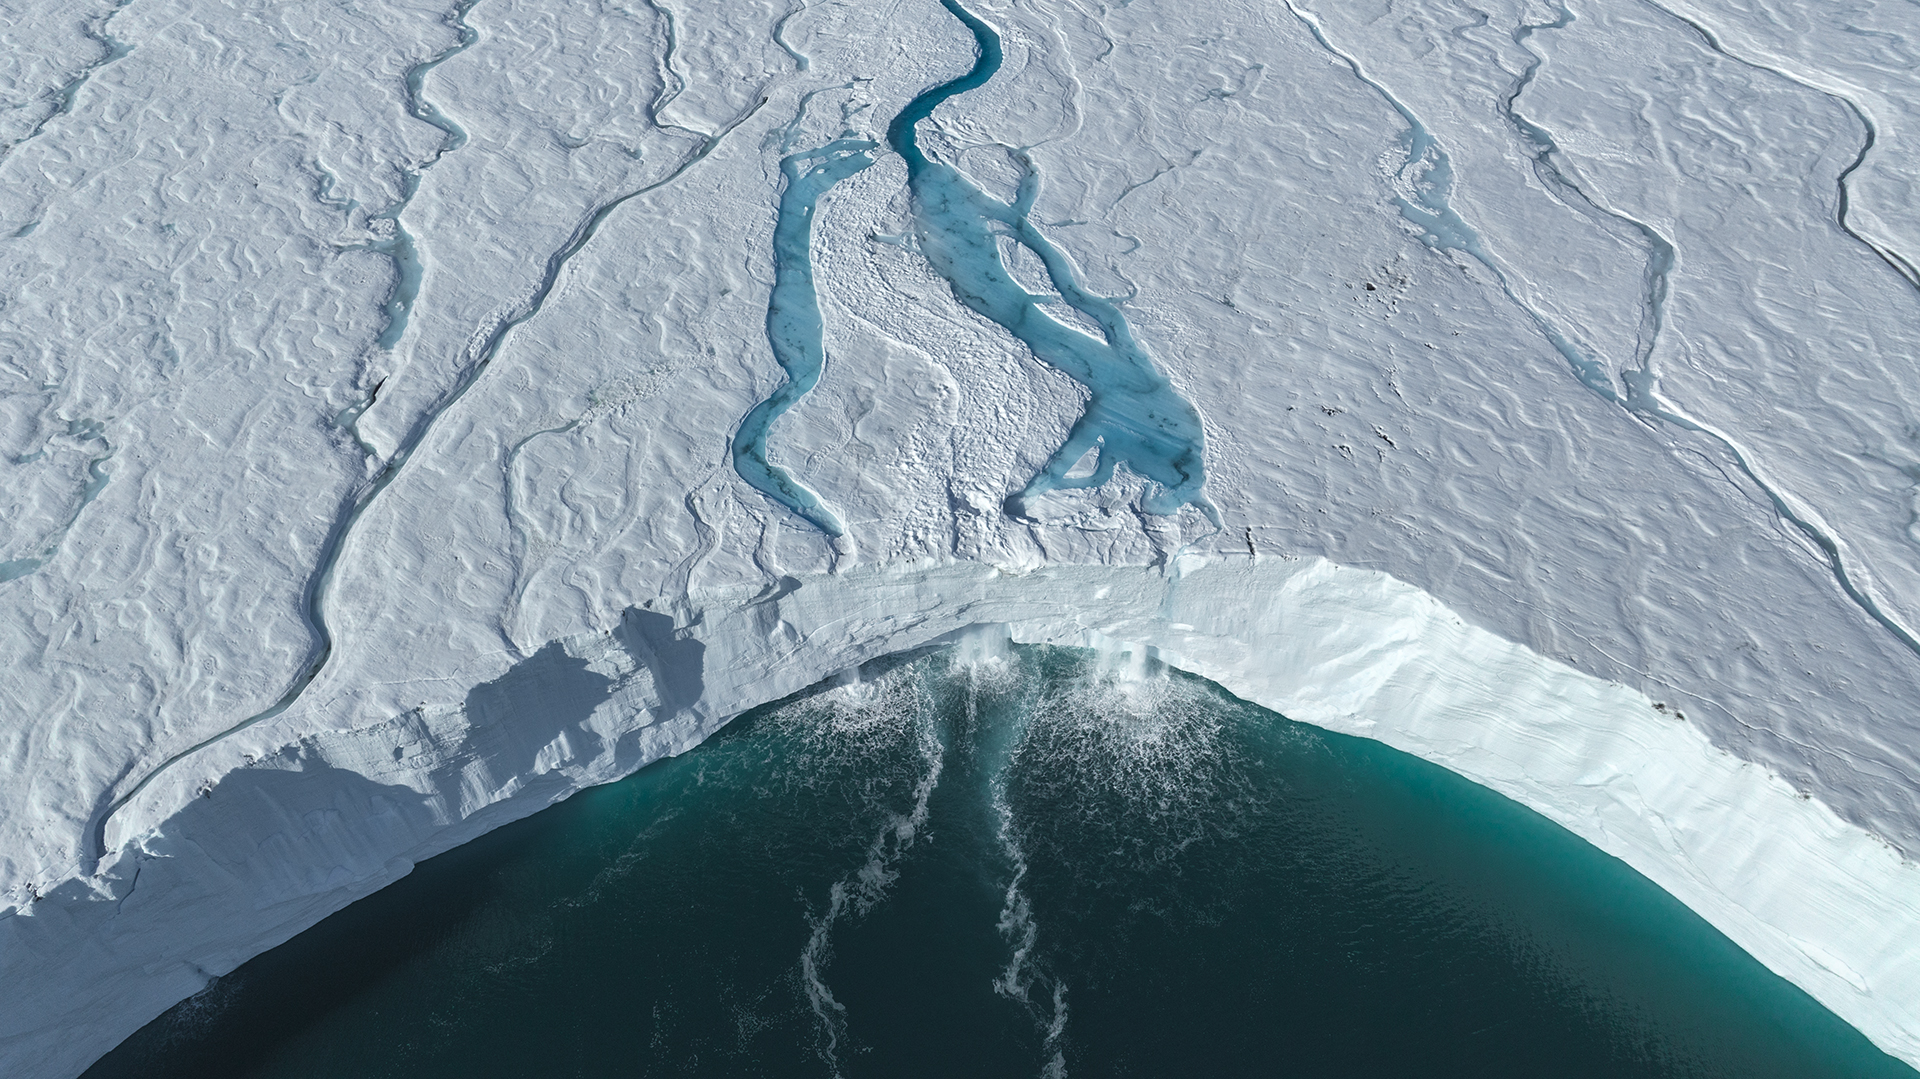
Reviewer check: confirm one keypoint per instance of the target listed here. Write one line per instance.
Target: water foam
(866, 719)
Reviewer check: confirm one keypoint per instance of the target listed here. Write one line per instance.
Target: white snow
(544, 572)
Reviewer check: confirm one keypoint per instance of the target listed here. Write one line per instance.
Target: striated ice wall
(369, 385)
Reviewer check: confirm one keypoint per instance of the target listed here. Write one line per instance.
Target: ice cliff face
(414, 414)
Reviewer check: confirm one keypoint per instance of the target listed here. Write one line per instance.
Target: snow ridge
(408, 269)
(1895, 261)
(1353, 308)
(1445, 229)
(356, 504)
(95, 31)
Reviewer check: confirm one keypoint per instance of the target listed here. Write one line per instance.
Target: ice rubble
(289, 609)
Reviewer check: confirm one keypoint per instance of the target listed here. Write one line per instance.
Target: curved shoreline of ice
(502, 615)
(208, 877)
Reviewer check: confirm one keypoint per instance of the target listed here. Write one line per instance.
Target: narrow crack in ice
(672, 83)
(96, 482)
(522, 533)
(1423, 200)
(408, 268)
(1899, 263)
(800, 59)
(348, 420)
(356, 503)
(1561, 180)
(64, 95)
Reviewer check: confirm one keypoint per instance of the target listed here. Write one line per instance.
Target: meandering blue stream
(794, 326)
(1133, 414)
(1013, 862)
(408, 270)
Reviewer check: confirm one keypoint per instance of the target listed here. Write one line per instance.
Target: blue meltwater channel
(794, 327)
(990, 860)
(1133, 414)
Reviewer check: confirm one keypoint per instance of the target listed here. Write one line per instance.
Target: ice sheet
(350, 359)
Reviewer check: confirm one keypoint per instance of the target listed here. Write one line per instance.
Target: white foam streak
(1815, 897)
(892, 706)
(1017, 924)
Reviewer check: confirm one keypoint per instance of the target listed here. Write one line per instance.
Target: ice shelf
(412, 415)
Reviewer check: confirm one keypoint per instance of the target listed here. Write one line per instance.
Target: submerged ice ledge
(212, 872)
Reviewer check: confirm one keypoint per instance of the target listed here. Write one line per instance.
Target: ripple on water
(1004, 860)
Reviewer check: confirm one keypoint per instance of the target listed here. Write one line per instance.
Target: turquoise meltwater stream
(1133, 415)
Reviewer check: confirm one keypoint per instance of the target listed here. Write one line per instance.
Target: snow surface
(368, 381)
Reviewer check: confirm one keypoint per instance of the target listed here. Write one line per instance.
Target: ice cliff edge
(412, 417)
(207, 877)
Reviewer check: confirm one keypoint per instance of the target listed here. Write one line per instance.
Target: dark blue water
(973, 864)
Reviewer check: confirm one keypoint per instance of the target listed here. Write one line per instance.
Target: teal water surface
(995, 861)
(1133, 414)
(794, 326)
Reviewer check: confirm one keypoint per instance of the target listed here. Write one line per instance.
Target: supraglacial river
(987, 862)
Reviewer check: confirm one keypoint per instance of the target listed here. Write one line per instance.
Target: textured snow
(368, 381)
